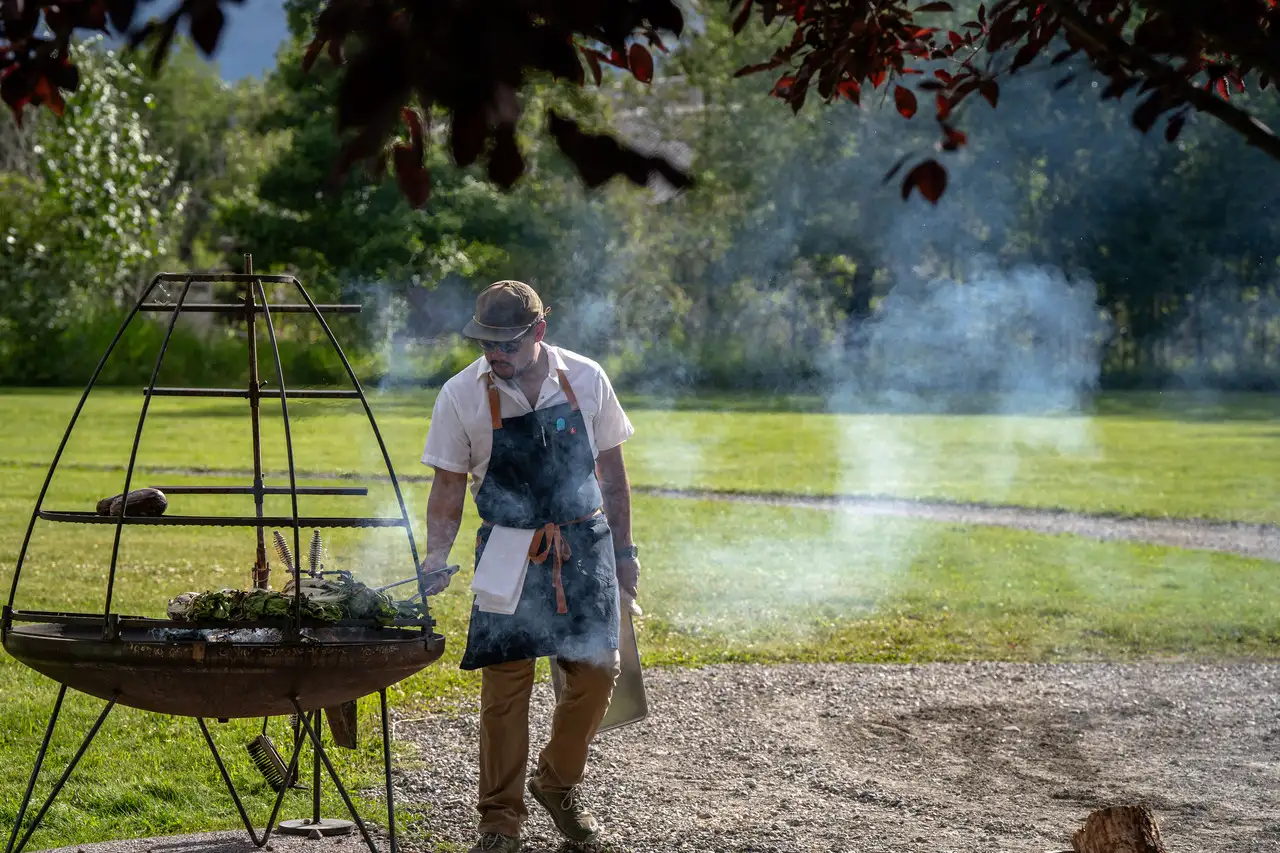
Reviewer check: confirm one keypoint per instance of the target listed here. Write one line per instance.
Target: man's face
(509, 365)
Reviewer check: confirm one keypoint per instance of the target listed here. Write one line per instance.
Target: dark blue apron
(542, 476)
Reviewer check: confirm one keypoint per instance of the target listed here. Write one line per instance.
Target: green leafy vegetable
(322, 599)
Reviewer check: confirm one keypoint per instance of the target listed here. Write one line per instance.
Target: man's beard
(515, 372)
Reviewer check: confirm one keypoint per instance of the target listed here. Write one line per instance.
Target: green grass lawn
(722, 582)
(1138, 454)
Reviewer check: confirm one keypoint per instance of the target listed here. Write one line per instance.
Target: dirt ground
(910, 759)
(981, 758)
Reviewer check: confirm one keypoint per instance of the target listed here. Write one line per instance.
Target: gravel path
(1250, 540)
(908, 759)
(980, 758)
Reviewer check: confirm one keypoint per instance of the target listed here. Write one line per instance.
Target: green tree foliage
(204, 127)
(85, 226)
(761, 276)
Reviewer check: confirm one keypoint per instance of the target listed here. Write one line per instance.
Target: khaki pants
(504, 736)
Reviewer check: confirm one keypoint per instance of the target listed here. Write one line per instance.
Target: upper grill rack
(254, 307)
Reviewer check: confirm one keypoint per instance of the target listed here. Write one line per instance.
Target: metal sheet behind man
(630, 703)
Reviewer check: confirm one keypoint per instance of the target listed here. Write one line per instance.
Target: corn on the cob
(316, 547)
(282, 548)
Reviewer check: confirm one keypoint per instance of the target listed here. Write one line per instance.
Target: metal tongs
(451, 570)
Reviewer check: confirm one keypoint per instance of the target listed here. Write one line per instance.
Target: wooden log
(149, 502)
(1119, 829)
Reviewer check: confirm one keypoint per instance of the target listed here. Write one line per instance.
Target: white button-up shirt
(460, 437)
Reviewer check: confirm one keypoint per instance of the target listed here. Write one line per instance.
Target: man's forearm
(444, 515)
(615, 487)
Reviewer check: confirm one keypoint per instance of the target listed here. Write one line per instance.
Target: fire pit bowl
(207, 673)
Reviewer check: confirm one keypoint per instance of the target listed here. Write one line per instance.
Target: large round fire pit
(215, 673)
(319, 658)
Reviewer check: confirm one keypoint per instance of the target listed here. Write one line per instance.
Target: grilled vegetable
(316, 552)
(318, 589)
(324, 599)
(282, 549)
(180, 607)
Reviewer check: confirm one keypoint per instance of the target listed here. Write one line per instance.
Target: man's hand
(629, 576)
(435, 576)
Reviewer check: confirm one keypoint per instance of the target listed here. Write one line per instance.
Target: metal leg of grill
(226, 778)
(66, 774)
(35, 771)
(333, 775)
(386, 763)
(315, 774)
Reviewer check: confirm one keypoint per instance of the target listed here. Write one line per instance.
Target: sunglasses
(505, 347)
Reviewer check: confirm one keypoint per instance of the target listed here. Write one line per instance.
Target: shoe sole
(537, 795)
(519, 846)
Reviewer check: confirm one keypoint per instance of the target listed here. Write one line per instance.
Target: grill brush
(270, 763)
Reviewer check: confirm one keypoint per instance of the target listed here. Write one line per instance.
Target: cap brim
(480, 332)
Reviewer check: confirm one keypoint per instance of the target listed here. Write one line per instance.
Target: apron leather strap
(495, 403)
(568, 390)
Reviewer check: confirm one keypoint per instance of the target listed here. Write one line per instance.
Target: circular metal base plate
(326, 827)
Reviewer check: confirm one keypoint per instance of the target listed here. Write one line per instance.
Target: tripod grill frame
(253, 303)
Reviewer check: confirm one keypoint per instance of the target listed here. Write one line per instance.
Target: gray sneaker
(494, 842)
(571, 817)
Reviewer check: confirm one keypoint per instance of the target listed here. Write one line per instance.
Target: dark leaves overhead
(599, 158)
(410, 161)
(929, 178)
(1180, 55)
(906, 101)
(206, 24)
(468, 59)
(471, 60)
(120, 13)
(641, 63)
(505, 164)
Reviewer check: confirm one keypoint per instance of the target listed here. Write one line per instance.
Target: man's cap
(504, 311)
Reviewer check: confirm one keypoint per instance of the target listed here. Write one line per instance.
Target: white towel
(499, 577)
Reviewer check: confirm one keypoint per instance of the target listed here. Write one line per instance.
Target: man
(540, 431)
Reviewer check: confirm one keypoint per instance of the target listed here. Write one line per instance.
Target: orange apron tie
(549, 542)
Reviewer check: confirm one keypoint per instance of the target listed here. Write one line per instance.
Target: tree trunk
(862, 288)
(1198, 321)
(1119, 829)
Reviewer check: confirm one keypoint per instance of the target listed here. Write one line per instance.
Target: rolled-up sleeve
(447, 446)
(612, 426)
